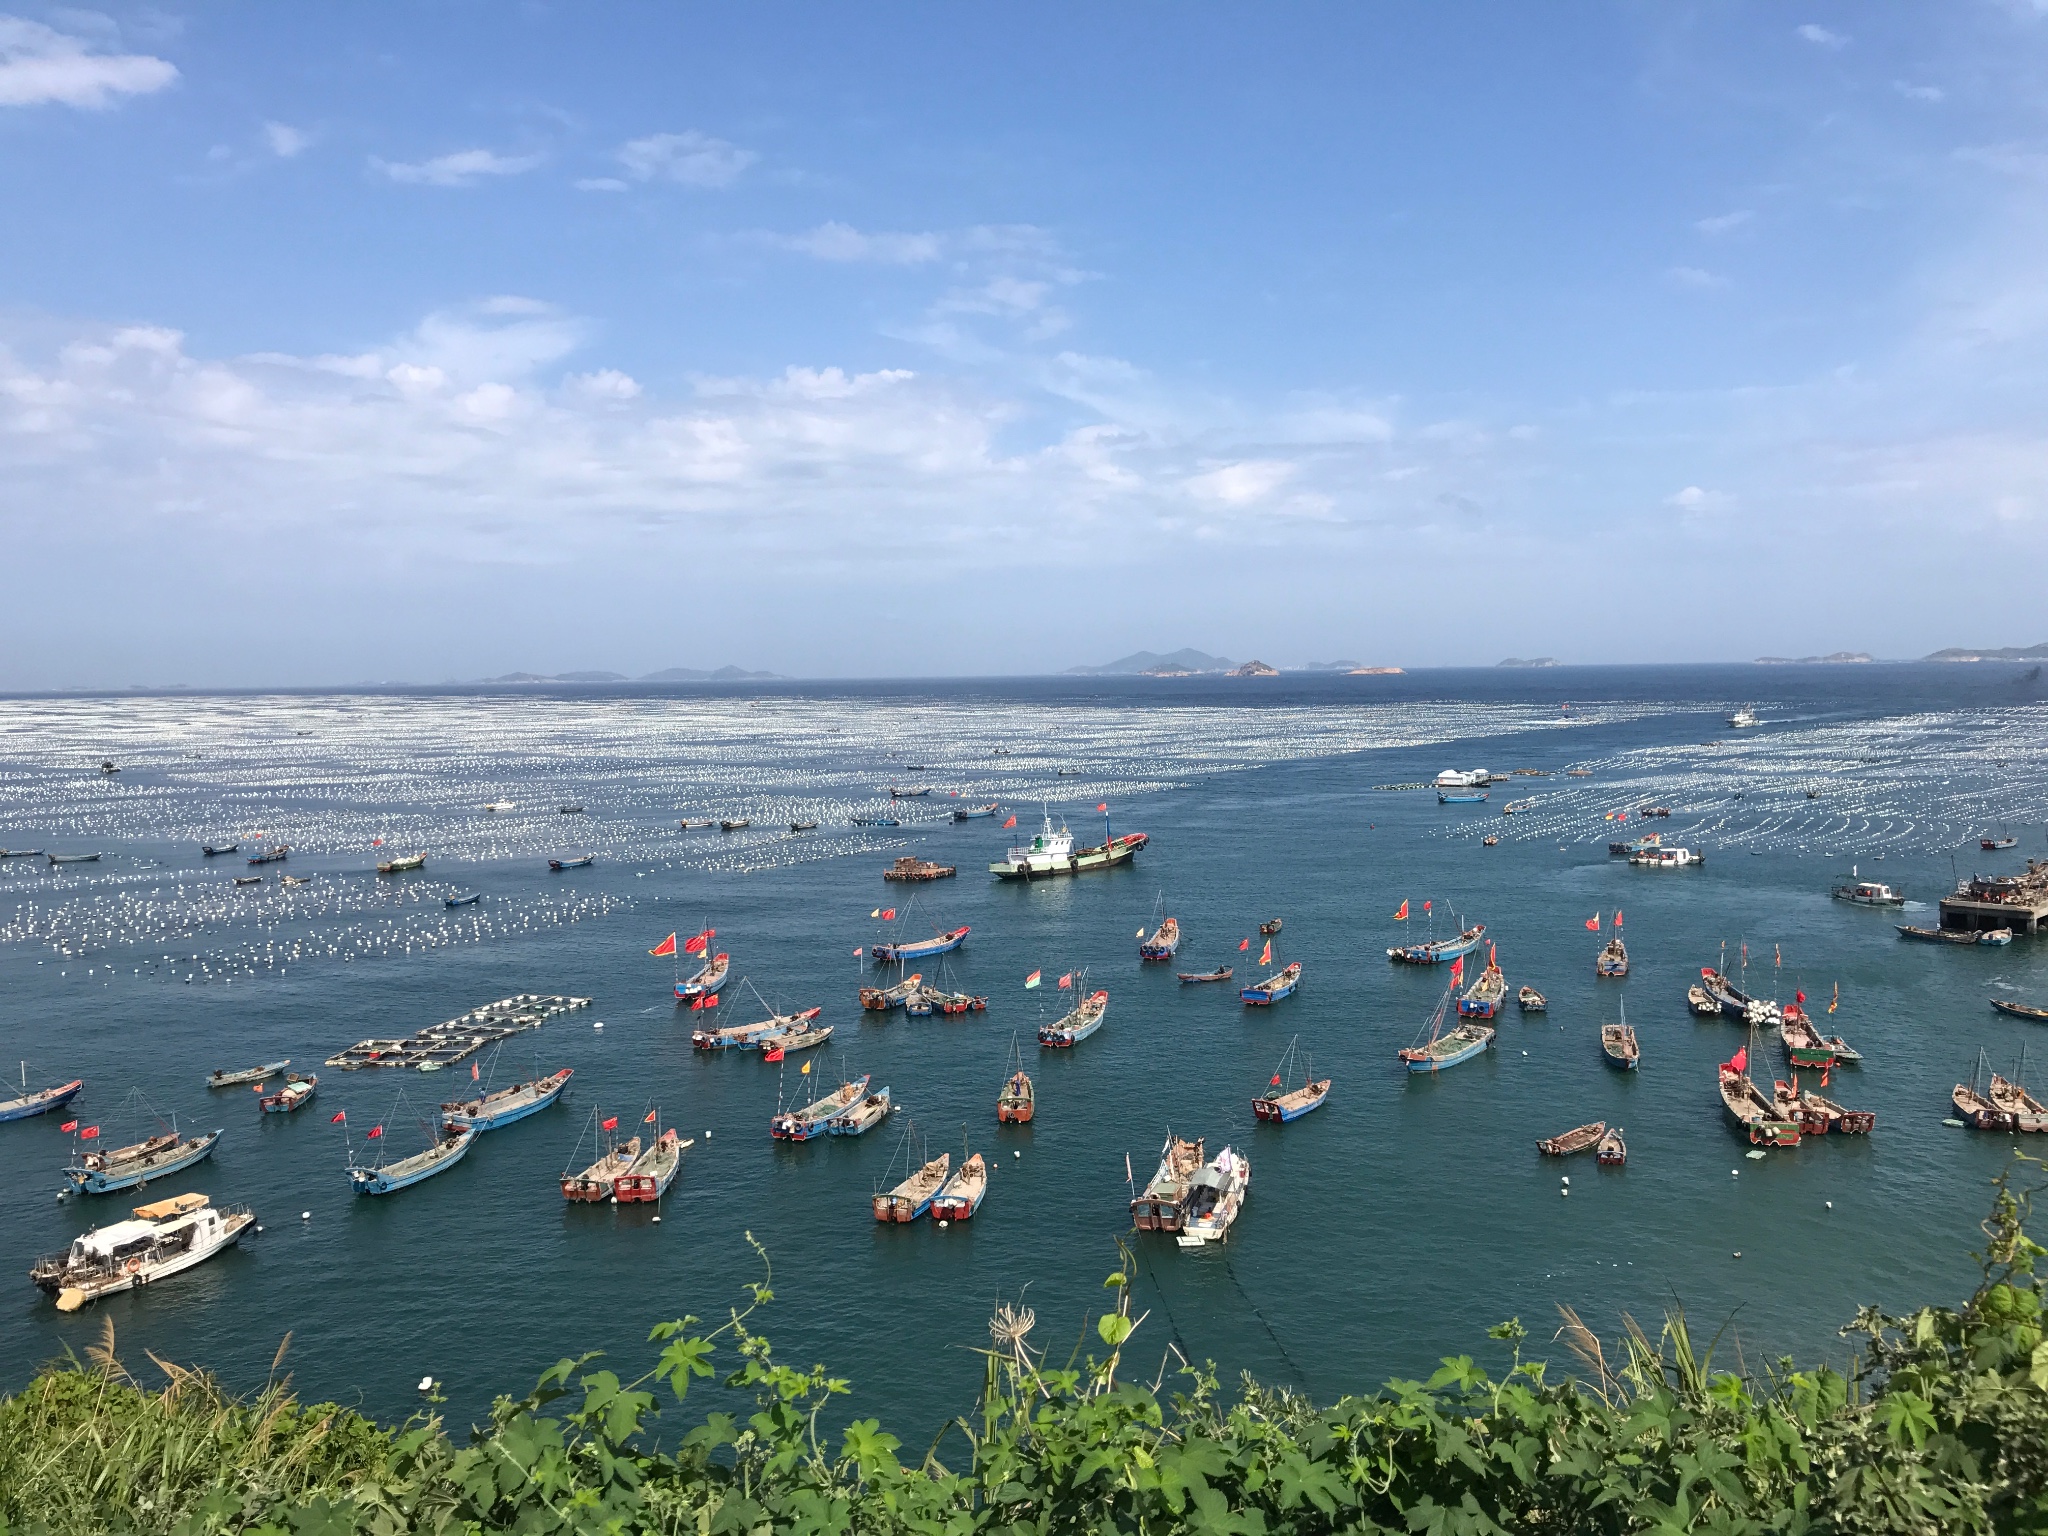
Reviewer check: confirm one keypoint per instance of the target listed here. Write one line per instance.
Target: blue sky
(442, 340)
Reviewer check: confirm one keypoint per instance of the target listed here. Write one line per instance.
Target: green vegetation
(1943, 1427)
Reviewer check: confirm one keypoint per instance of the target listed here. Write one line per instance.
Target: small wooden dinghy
(1529, 1000)
(234, 1079)
(652, 1171)
(469, 900)
(82, 858)
(974, 812)
(1164, 941)
(1613, 1151)
(911, 867)
(570, 810)
(803, 826)
(573, 861)
(1221, 973)
(913, 1197)
(248, 879)
(734, 826)
(1163, 1203)
(1613, 960)
(2021, 1010)
(403, 863)
(1703, 1002)
(1269, 929)
(1018, 1101)
(1976, 1110)
(882, 999)
(595, 1182)
(961, 1195)
(1281, 1107)
(295, 1095)
(862, 1117)
(1576, 1139)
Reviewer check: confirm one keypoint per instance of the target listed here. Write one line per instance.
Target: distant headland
(1189, 662)
(2003, 653)
(666, 675)
(1533, 661)
(1809, 661)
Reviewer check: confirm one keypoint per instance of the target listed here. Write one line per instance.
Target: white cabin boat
(165, 1236)
(1463, 778)
(1214, 1198)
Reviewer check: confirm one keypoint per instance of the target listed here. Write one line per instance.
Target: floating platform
(1982, 902)
(441, 1045)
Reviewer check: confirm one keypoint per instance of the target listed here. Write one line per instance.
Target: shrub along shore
(1942, 1427)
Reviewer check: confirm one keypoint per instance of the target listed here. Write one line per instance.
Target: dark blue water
(1387, 1229)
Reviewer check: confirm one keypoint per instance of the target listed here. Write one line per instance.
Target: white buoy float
(305, 1215)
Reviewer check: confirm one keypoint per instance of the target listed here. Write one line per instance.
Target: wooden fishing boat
(1613, 1151)
(882, 999)
(2021, 1010)
(962, 1193)
(2028, 1113)
(469, 900)
(803, 1124)
(26, 1105)
(1018, 1101)
(1271, 928)
(570, 810)
(706, 981)
(920, 949)
(85, 858)
(1483, 998)
(1293, 1103)
(803, 826)
(974, 812)
(1529, 1000)
(1816, 1116)
(1703, 1003)
(214, 850)
(1612, 960)
(1276, 986)
(21, 853)
(295, 1095)
(1447, 1048)
(1755, 1114)
(450, 1148)
(734, 826)
(595, 1182)
(1729, 997)
(248, 880)
(1577, 1139)
(1164, 941)
(910, 867)
(1216, 1195)
(1635, 845)
(876, 821)
(918, 793)
(706, 1038)
(504, 1106)
(1160, 1207)
(913, 1197)
(928, 1000)
(1490, 840)
(1992, 844)
(862, 1117)
(164, 1238)
(1954, 935)
(1072, 1028)
(402, 863)
(1618, 1046)
(1436, 951)
(801, 1036)
(573, 861)
(130, 1167)
(1977, 1111)
(275, 855)
(652, 1171)
(308, 880)
(1221, 973)
(1806, 1046)
(234, 1079)
(499, 805)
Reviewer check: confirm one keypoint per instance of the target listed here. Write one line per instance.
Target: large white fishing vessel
(165, 1237)
(1053, 852)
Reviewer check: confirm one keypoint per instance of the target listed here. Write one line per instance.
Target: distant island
(1532, 661)
(1377, 671)
(1181, 663)
(1811, 661)
(666, 675)
(1255, 669)
(2004, 653)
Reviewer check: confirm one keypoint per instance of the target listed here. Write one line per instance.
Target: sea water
(1388, 1228)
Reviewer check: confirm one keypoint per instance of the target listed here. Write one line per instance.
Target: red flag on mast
(1402, 915)
(1739, 1062)
(375, 1132)
(611, 1124)
(1593, 923)
(1009, 824)
(666, 947)
(650, 1117)
(337, 1117)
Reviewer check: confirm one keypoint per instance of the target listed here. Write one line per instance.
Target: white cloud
(1697, 278)
(1721, 223)
(1919, 92)
(605, 384)
(602, 184)
(1695, 499)
(1242, 484)
(1821, 37)
(460, 169)
(692, 158)
(285, 141)
(834, 241)
(40, 65)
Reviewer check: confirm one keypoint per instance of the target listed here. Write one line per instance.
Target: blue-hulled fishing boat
(295, 1095)
(942, 944)
(1447, 1048)
(273, 856)
(974, 812)
(1436, 951)
(1469, 797)
(1280, 1103)
(103, 1173)
(706, 981)
(506, 1105)
(1483, 998)
(1276, 986)
(573, 861)
(862, 1117)
(876, 821)
(449, 1148)
(813, 1119)
(464, 901)
(27, 1105)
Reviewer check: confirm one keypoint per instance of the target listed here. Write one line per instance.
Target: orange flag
(1266, 954)
(1402, 915)
(666, 947)
(1009, 824)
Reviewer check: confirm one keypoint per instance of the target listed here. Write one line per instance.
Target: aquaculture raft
(439, 1045)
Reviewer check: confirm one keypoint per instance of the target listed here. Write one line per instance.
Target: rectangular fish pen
(441, 1045)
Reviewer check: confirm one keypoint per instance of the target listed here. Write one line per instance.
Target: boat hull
(1438, 1063)
(379, 1181)
(40, 1102)
(945, 944)
(1117, 851)
(107, 1181)
(1055, 1038)
(1437, 954)
(496, 1119)
(1280, 1112)
(1261, 997)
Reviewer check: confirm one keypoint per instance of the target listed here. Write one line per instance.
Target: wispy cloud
(1821, 37)
(1696, 278)
(41, 66)
(460, 169)
(834, 241)
(1721, 223)
(285, 141)
(1919, 92)
(692, 158)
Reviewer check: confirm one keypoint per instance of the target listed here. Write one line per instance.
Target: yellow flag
(806, 1070)
(1837, 1000)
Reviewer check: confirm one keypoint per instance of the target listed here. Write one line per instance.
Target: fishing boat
(1702, 1001)
(919, 793)
(962, 1193)
(129, 1167)
(1990, 936)
(928, 1000)
(1635, 845)
(911, 867)
(1447, 1048)
(83, 858)
(2028, 1113)
(974, 812)
(802, 1035)
(1727, 996)
(1164, 1201)
(1577, 1139)
(1613, 959)
(1515, 807)
(248, 880)
(1490, 841)
(469, 900)
(912, 1197)
(1290, 1103)
(1215, 1198)
(1618, 1046)
(1868, 893)
(1748, 1106)
(1072, 1028)
(708, 1038)
(1462, 797)
(302, 880)
(707, 981)
(803, 826)
(1816, 1116)
(1742, 719)
(1529, 1000)
(1806, 1046)
(1436, 951)
(1993, 844)
(876, 821)
(920, 949)
(164, 1238)
(595, 1183)
(882, 999)
(1221, 973)
(21, 853)
(1613, 1151)
(570, 810)
(1976, 1110)
(1164, 941)
(234, 1079)
(740, 825)
(803, 1124)
(402, 863)
(502, 1107)
(1268, 929)
(648, 1179)
(2017, 1010)
(26, 1105)
(1668, 858)
(450, 1146)
(275, 855)
(1018, 1101)
(296, 1094)
(1483, 998)
(573, 861)
(499, 805)
(214, 850)
(1276, 986)
(1053, 853)
(859, 1119)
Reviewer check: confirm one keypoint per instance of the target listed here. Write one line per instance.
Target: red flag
(1824, 1074)
(1622, 817)
(1457, 970)
(1706, 970)
(1617, 917)
(693, 945)
(1009, 824)
(257, 1087)
(1067, 980)
(1266, 954)
(888, 914)
(337, 1117)
(88, 1133)
(68, 1125)
(611, 1124)
(472, 1072)
(650, 1117)
(1799, 997)
(1739, 1062)
(1402, 915)
(711, 1000)
(379, 843)
(697, 1004)
(774, 1055)
(1276, 1079)
(1104, 807)
(666, 947)
(1593, 923)
(1427, 905)
(856, 953)
(375, 1132)
(1244, 943)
